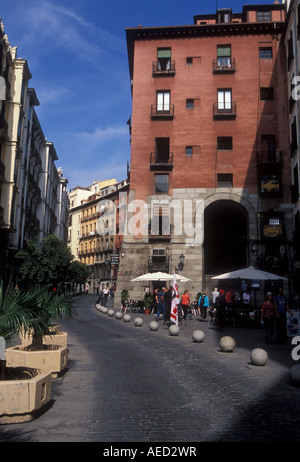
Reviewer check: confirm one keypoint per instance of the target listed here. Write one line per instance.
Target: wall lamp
(181, 263)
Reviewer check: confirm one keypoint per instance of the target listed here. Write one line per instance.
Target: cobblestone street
(129, 384)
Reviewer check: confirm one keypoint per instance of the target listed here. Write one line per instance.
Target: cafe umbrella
(250, 273)
(159, 276)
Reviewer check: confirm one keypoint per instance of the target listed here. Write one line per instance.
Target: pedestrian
(246, 298)
(161, 304)
(100, 298)
(268, 317)
(203, 303)
(281, 307)
(214, 295)
(168, 301)
(230, 297)
(185, 301)
(105, 296)
(220, 309)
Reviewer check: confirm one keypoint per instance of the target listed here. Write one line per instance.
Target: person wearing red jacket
(185, 301)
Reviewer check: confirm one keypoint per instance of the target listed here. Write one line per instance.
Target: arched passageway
(225, 237)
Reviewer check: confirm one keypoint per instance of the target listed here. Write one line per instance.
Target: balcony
(224, 112)
(162, 113)
(224, 66)
(269, 173)
(269, 157)
(161, 161)
(161, 69)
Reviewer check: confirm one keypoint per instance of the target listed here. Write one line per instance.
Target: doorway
(225, 237)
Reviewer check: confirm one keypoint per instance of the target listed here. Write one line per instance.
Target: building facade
(33, 193)
(94, 229)
(210, 150)
(291, 38)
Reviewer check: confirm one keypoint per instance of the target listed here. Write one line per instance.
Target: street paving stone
(128, 384)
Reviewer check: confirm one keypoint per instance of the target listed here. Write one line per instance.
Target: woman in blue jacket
(203, 304)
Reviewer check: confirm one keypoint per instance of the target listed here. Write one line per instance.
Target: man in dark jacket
(220, 309)
(168, 300)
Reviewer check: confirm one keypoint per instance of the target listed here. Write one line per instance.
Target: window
(160, 222)
(164, 59)
(190, 104)
(224, 99)
(265, 53)
(269, 145)
(163, 101)
(224, 143)
(189, 150)
(224, 55)
(189, 61)
(225, 180)
(263, 16)
(266, 93)
(161, 183)
(162, 150)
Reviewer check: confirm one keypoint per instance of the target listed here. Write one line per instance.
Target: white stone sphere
(98, 306)
(295, 375)
(127, 317)
(138, 322)
(198, 336)
(174, 330)
(111, 312)
(104, 310)
(153, 325)
(119, 315)
(258, 357)
(227, 344)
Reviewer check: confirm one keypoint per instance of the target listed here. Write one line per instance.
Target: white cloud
(50, 25)
(100, 135)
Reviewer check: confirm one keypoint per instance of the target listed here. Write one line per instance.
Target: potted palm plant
(148, 301)
(23, 391)
(45, 307)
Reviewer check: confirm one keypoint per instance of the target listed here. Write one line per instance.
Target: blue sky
(76, 52)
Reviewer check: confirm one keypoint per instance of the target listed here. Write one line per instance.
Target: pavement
(96, 411)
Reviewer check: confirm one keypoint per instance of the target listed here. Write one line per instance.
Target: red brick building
(209, 148)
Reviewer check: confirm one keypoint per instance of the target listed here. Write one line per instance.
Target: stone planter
(21, 398)
(54, 359)
(58, 338)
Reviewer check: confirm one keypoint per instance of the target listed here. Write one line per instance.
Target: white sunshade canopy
(250, 273)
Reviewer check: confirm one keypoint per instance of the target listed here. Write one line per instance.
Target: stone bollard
(258, 357)
(227, 344)
(153, 325)
(138, 322)
(111, 312)
(174, 330)
(104, 310)
(98, 307)
(119, 315)
(295, 375)
(198, 336)
(127, 317)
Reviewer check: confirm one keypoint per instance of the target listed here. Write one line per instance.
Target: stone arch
(228, 222)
